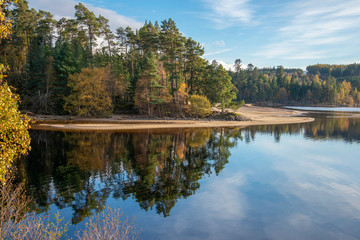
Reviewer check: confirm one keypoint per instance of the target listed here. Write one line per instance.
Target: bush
(199, 106)
(16, 223)
(109, 224)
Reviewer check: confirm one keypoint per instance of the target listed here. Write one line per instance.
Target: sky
(265, 33)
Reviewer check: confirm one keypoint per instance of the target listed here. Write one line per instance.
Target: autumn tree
(343, 95)
(14, 135)
(88, 96)
(181, 98)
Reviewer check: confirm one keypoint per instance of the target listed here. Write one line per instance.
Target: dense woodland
(322, 84)
(80, 66)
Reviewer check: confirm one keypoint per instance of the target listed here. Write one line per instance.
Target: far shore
(256, 115)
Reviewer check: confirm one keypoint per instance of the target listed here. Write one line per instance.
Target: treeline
(351, 71)
(60, 67)
(80, 66)
(293, 86)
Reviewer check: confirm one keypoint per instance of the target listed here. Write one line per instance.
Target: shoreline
(257, 116)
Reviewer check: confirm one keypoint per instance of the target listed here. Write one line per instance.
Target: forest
(82, 67)
(320, 85)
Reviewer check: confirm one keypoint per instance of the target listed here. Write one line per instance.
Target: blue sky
(266, 33)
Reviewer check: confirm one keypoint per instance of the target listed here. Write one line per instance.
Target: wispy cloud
(225, 13)
(217, 52)
(220, 43)
(315, 29)
(66, 8)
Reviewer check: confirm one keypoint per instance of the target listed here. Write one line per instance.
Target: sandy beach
(256, 115)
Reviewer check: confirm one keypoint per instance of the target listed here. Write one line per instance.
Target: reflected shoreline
(155, 166)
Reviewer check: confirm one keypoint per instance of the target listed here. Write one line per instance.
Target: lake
(298, 181)
(326, 109)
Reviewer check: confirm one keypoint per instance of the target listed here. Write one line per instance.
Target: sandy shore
(257, 116)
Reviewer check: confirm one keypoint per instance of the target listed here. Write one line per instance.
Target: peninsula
(255, 115)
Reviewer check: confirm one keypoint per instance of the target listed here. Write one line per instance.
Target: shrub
(16, 223)
(200, 106)
(108, 224)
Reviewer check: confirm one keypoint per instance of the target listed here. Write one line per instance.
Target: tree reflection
(325, 127)
(335, 127)
(157, 168)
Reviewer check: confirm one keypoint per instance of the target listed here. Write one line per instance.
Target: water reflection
(157, 168)
(325, 127)
(82, 170)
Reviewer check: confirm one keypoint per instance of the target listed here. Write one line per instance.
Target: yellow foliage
(343, 93)
(5, 24)
(200, 106)
(14, 136)
(199, 138)
(181, 95)
(89, 96)
(317, 79)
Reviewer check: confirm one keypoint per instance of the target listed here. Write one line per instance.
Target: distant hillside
(350, 72)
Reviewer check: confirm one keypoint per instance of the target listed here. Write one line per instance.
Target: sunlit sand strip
(257, 116)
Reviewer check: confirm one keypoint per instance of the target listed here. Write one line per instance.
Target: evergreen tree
(149, 93)
(88, 20)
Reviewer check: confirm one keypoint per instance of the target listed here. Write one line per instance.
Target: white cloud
(325, 180)
(66, 8)
(115, 19)
(226, 13)
(220, 43)
(226, 65)
(315, 29)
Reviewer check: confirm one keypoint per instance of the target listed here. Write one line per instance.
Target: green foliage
(43, 53)
(281, 85)
(149, 94)
(89, 24)
(337, 71)
(199, 106)
(89, 97)
(219, 88)
(236, 105)
(41, 69)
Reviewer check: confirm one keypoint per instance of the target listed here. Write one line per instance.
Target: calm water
(326, 109)
(299, 181)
